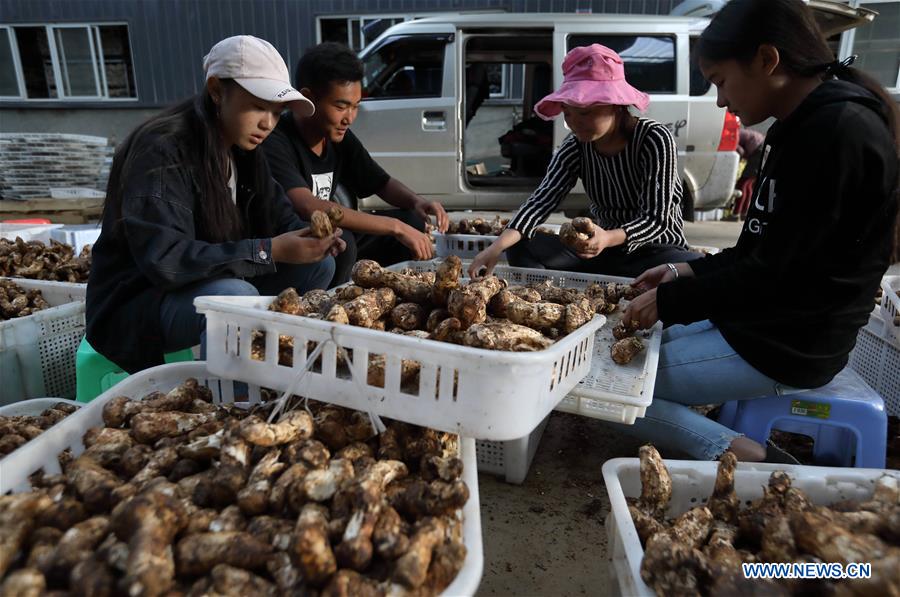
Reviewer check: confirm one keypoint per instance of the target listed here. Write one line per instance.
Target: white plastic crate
(467, 246)
(55, 293)
(613, 392)
(28, 232)
(705, 249)
(692, 484)
(511, 459)
(464, 246)
(610, 392)
(76, 193)
(37, 353)
(33, 408)
(41, 452)
(485, 394)
(876, 358)
(77, 235)
(890, 305)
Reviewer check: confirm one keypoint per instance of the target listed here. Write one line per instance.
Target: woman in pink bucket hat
(628, 166)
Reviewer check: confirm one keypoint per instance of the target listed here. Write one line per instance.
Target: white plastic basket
(464, 246)
(511, 459)
(77, 235)
(33, 408)
(876, 358)
(37, 352)
(485, 394)
(467, 246)
(890, 304)
(613, 392)
(692, 484)
(28, 232)
(705, 249)
(41, 452)
(75, 193)
(55, 293)
(610, 392)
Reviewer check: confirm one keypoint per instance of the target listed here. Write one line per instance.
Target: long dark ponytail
(742, 26)
(193, 126)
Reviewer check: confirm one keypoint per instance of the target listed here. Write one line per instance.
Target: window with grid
(66, 62)
(357, 32)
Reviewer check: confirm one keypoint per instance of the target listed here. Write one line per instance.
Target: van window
(699, 84)
(877, 46)
(405, 66)
(649, 59)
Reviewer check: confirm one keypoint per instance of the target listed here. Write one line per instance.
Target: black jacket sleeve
(804, 221)
(710, 263)
(158, 223)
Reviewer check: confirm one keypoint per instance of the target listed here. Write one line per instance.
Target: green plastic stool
(94, 373)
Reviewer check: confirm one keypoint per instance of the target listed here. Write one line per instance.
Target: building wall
(112, 123)
(169, 38)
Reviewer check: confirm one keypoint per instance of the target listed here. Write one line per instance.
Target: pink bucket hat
(592, 75)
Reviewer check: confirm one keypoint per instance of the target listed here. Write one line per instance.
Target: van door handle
(434, 121)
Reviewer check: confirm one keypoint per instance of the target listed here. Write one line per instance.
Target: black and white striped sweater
(638, 189)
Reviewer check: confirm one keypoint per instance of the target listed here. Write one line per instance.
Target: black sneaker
(776, 455)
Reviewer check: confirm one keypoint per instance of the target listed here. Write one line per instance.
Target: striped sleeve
(562, 174)
(659, 164)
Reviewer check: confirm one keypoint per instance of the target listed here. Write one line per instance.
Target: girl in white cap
(191, 209)
(627, 166)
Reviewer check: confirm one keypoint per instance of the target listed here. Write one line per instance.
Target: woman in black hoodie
(192, 209)
(781, 310)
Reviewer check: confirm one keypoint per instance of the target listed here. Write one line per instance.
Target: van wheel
(687, 202)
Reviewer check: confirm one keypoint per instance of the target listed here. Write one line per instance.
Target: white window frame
(96, 44)
(848, 39)
(60, 65)
(359, 18)
(17, 66)
(505, 76)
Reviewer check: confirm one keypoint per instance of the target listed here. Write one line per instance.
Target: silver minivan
(426, 80)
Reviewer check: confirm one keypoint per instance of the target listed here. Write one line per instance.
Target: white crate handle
(376, 422)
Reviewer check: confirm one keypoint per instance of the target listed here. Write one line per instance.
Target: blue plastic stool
(842, 417)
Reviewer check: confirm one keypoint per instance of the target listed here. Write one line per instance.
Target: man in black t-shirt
(320, 163)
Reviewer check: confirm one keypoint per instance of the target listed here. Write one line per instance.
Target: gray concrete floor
(547, 535)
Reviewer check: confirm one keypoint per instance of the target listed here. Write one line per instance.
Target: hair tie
(840, 66)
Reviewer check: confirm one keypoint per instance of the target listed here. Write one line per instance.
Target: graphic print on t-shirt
(322, 185)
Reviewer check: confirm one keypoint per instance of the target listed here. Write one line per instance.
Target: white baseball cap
(256, 65)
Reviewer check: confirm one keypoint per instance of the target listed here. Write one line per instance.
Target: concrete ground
(547, 536)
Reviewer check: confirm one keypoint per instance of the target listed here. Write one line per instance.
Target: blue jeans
(697, 367)
(183, 327)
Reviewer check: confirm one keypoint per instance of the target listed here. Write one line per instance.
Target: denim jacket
(158, 249)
